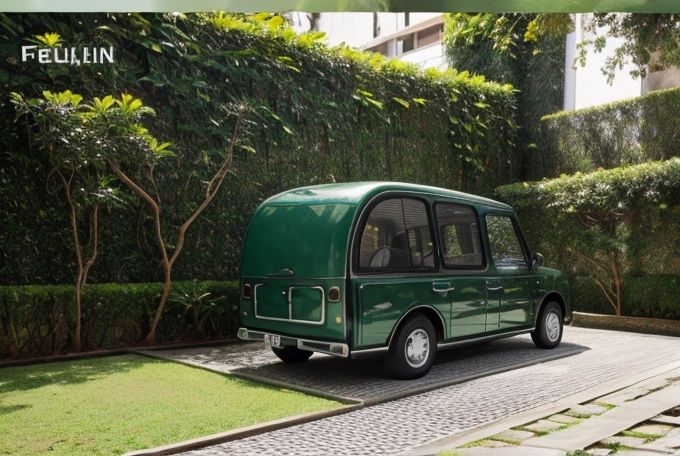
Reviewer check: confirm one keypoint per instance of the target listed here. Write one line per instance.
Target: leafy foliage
(507, 48)
(605, 224)
(38, 320)
(323, 115)
(650, 42)
(626, 132)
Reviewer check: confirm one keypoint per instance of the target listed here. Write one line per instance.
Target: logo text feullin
(72, 56)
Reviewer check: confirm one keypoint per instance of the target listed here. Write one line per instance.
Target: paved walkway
(400, 425)
(642, 420)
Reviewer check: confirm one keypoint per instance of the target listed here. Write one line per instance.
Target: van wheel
(548, 333)
(411, 353)
(292, 354)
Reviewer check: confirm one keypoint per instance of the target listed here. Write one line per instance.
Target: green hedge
(324, 115)
(625, 132)
(38, 320)
(535, 70)
(653, 296)
(609, 226)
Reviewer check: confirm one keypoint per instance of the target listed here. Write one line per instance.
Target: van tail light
(334, 294)
(246, 291)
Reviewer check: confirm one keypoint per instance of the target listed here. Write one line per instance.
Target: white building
(412, 37)
(416, 38)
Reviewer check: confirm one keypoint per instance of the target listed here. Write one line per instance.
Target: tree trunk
(618, 282)
(79, 254)
(211, 192)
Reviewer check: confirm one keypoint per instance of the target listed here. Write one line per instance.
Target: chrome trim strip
(330, 348)
(369, 350)
(480, 339)
(334, 348)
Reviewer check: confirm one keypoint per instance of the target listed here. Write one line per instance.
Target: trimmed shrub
(38, 320)
(606, 225)
(622, 133)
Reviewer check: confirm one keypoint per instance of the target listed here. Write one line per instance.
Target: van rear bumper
(329, 348)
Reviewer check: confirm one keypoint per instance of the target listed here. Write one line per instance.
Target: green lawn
(118, 404)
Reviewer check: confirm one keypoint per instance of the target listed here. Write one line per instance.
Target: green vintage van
(396, 269)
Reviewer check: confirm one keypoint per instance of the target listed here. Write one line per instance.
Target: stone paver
(509, 451)
(665, 419)
(653, 429)
(631, 393)
(611, 423)
(624, 441)
(513, 436)
(543, 426)
(600, 452)
(670, 442)
(394, 427)
(564, 419)
(585, 411)
(636, 453)
(494, 444)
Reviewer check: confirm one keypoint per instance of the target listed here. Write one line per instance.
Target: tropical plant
(73, 139)
(108, 134)
(201, 310)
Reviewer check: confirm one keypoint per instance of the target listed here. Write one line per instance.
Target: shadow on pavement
(366, 380)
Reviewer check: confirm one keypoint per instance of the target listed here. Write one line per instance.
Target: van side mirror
(536, 261)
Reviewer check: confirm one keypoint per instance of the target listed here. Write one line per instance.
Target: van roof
(356, 193)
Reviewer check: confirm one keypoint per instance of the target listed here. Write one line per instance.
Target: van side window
(459, 233)
(397, 236)
(506, 250)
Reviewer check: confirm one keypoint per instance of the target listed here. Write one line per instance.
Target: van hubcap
(552, 325)
(417, 348)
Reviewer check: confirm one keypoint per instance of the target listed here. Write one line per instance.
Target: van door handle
(437, 287)
(494, 285)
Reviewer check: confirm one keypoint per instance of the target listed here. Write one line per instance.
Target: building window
(430, 35)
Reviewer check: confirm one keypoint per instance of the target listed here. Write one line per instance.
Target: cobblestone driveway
(395, 426)
(365, 380)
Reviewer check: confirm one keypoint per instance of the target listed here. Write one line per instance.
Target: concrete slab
(653, 429)
(494, 444)
(513, 436)
(611, 423)
(665, 419)
(564, 419)
(632, 392)
(631, 442)
(636, 453)
(585, 411)
(600, 452)
(509, 451)
(543, 426)
(669, 443)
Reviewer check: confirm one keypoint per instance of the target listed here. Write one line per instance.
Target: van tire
(411, 353)
(289, 354)
(550, 326)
